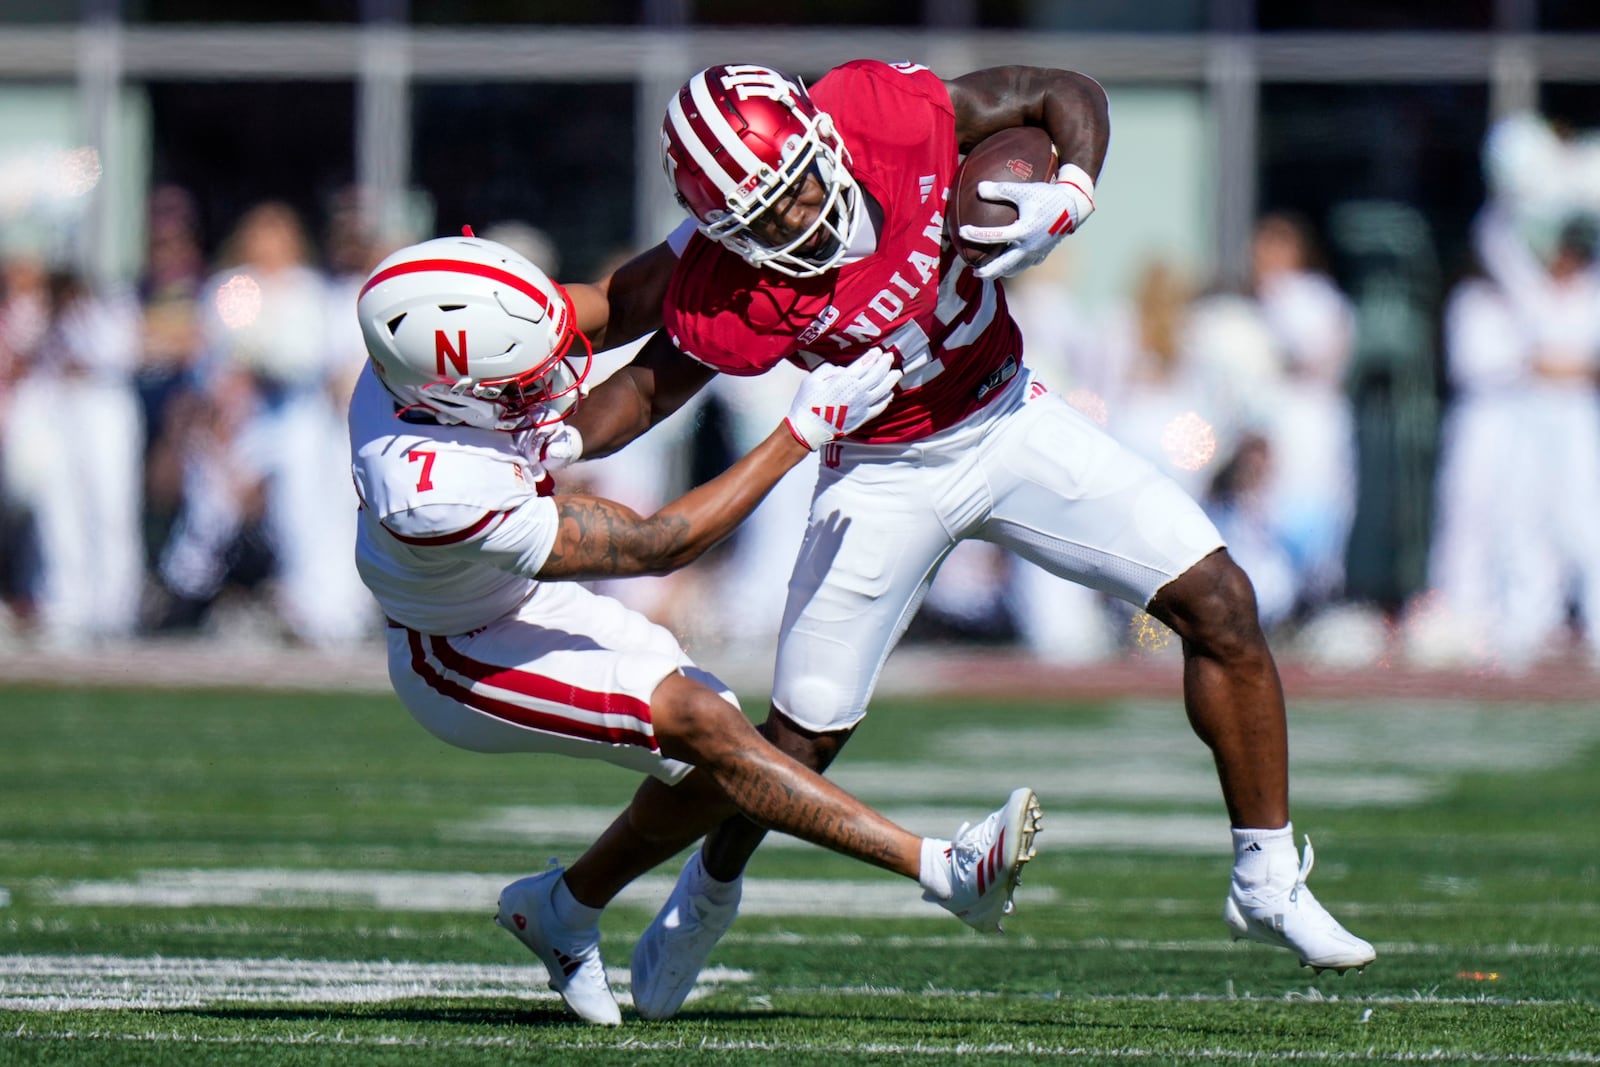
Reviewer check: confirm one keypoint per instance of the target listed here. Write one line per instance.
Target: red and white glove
(552, 449)
(561, 448)
(1046, 212)
(834, 401)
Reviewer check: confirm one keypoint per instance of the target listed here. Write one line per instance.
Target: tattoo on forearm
(600, 538)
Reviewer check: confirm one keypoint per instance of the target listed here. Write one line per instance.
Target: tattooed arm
(604, 539)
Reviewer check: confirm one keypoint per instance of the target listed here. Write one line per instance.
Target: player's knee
(696, 724)
(819, 704)
(1212, 607)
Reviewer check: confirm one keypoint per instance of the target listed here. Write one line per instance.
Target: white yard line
(69, 983)
(401, 891)
(37, 982)
(435, 891)
(1311, 994)
(1025, 942)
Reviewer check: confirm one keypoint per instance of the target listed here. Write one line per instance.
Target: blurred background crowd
(1393, 415)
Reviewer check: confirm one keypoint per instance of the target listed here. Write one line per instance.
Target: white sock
(935, 876)
(570, 912)
(1265, 859)
(702, 883)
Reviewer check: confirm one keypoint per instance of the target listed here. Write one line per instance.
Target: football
(1019, 154)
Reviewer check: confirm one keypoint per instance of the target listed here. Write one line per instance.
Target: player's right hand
(1046, 213)
(834, 401)
(560, 447)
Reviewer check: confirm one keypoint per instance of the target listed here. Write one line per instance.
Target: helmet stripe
(721, 130)
(694, 136)
(740, 160)
(461, 266)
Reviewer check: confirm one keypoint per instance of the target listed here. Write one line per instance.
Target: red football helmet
(737, 138)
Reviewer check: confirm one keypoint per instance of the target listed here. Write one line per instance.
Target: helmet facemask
(540, 397)
(813, 157)
(528, 402)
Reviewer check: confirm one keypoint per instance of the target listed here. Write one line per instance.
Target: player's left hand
(1046, 212)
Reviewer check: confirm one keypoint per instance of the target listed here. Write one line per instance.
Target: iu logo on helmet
(456, 353)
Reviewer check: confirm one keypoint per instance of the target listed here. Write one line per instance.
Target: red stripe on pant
(531, 685)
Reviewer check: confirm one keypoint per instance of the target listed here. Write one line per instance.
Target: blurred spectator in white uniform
(1199, 404)
(352, 247)
(24, 318)
(1518, 494)
(1311, 494)
(74, 455)
(1174, 404)
(1556, 303)
(1489, 577)
(24, 314)
(274, 425)
(169, 290)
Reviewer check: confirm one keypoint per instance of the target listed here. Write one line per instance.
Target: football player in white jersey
(475, 357)
(817, 236)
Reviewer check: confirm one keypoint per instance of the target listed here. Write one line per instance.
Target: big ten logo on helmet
(750, 81)
(456, 353)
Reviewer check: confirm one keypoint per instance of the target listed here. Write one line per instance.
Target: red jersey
(950, 332)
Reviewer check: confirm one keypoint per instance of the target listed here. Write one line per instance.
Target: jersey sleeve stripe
(534, 690)
(488, 522)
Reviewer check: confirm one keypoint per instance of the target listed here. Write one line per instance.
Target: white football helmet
(474, 333)
(735, 139)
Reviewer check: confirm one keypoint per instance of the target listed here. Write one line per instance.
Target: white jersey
(455, 521)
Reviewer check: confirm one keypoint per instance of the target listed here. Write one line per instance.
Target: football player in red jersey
(817, 233)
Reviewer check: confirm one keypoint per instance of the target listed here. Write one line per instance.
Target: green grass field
(272, 878)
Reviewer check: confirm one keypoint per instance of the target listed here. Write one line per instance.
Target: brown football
(1019, 154)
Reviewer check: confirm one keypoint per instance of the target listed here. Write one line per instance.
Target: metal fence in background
(385, 61)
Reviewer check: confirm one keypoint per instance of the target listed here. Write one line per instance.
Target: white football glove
(552, 449)
(835, 401)
(1046, 212)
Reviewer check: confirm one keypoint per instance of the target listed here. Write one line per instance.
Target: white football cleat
(986, 862)
(1293, 919)
(675, 946)
(571, 956)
